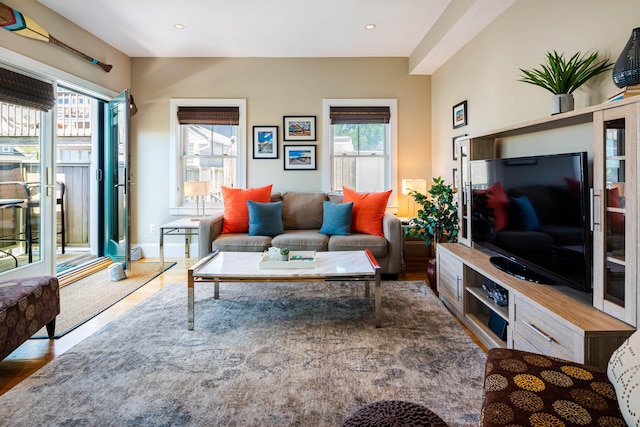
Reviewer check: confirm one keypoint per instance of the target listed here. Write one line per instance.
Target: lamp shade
(196, 188)
(415, 184)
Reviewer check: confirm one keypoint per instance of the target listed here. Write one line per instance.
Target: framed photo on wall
(455, 178)
(299, 157)
(299, 128)
(460, 114)
(265, 142)
(453, 143)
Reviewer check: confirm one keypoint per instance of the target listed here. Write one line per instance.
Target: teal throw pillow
(527, 217)
(265, 219)
(336, 218)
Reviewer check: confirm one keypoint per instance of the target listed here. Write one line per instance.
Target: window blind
(209, 115)
(359, 115)
(16, 88)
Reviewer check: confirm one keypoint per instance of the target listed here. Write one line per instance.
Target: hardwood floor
(35, 353)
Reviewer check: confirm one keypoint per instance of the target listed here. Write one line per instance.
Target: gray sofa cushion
(241, 242)
(376, 244)
(301, 240)
(302, 211)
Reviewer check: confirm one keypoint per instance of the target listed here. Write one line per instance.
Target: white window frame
(391, 172)
(176, 207)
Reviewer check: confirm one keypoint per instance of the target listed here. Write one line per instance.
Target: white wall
(486, 71)
(116, 80)
(273, 88)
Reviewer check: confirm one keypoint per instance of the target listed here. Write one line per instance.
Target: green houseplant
(562, 76)
(437, 219)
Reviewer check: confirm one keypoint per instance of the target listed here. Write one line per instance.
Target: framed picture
(265, 142)
(460, 115)
(455, 178)
(453, 143)
(299, 157)
(299, 128)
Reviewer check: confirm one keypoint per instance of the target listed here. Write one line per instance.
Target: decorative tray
(297, 259)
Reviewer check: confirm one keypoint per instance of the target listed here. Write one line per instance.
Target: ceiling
(428, 32)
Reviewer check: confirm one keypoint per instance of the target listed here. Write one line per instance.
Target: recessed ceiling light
(370, 26)
(179, 26)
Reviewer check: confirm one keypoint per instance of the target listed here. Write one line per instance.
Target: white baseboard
(171, 250)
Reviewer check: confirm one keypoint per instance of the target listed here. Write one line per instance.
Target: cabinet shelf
(618, 259)
(481, 322)
(616, 210)
(481, 296)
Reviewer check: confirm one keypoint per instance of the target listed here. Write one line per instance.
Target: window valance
(359, 115)
(209, 115)
(16, 88)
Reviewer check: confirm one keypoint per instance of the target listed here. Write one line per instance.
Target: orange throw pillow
(236, 212)
(368, 210)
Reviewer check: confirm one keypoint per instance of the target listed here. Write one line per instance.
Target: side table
(181, 227)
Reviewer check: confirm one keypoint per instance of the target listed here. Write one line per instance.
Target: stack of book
(625, 92)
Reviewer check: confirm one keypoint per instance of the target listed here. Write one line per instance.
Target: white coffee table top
(246, 264)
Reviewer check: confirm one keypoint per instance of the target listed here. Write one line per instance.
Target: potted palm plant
(562, 76)
(437, 220)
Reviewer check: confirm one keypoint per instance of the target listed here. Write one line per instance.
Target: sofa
(529, 389)
(302, 220)
(27, 305)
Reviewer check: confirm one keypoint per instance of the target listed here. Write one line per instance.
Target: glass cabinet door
(464, 198)
(614, 203)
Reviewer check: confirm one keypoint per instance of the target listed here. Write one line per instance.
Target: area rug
(265, 354)
(84, 299)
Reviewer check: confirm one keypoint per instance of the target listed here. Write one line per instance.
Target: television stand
(545, 319)
(519, 270)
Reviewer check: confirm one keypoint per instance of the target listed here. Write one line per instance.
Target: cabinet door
(450, 280)
(464, 186)
(615, 213)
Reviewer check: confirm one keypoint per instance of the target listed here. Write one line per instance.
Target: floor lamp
(197, 189)
(416, 184)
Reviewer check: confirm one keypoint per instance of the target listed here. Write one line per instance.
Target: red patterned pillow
(368, 210)
(236, 213)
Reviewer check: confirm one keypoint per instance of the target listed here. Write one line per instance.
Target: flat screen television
(533, 213)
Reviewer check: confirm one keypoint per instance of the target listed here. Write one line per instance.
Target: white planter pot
(561, 103)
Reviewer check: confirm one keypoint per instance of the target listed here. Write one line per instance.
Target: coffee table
(244, 267)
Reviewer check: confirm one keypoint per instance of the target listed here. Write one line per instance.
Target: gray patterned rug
(273, 354)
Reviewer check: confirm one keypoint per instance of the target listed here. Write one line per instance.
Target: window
(360, 152)
(208, 144)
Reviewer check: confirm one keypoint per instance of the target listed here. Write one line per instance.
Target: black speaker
(498, 325)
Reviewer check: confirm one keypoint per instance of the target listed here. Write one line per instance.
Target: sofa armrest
(392, 230)
(208, 230)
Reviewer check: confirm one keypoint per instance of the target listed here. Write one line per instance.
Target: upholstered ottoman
(26, 305)
(394, 413)
(528, 389)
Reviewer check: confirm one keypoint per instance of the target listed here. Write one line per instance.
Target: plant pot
(432, 275)
(284, 257)
(561, 103)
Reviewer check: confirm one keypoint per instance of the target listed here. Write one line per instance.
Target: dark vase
(432, 275)
(626, 72)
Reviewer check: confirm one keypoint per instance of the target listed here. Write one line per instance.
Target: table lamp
(416, 184)
(197, 189)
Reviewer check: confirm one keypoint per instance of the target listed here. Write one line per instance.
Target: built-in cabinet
(557, 320)
(615, 212)
(551, 320)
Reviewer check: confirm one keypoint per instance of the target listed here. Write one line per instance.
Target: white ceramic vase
(561, 103)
